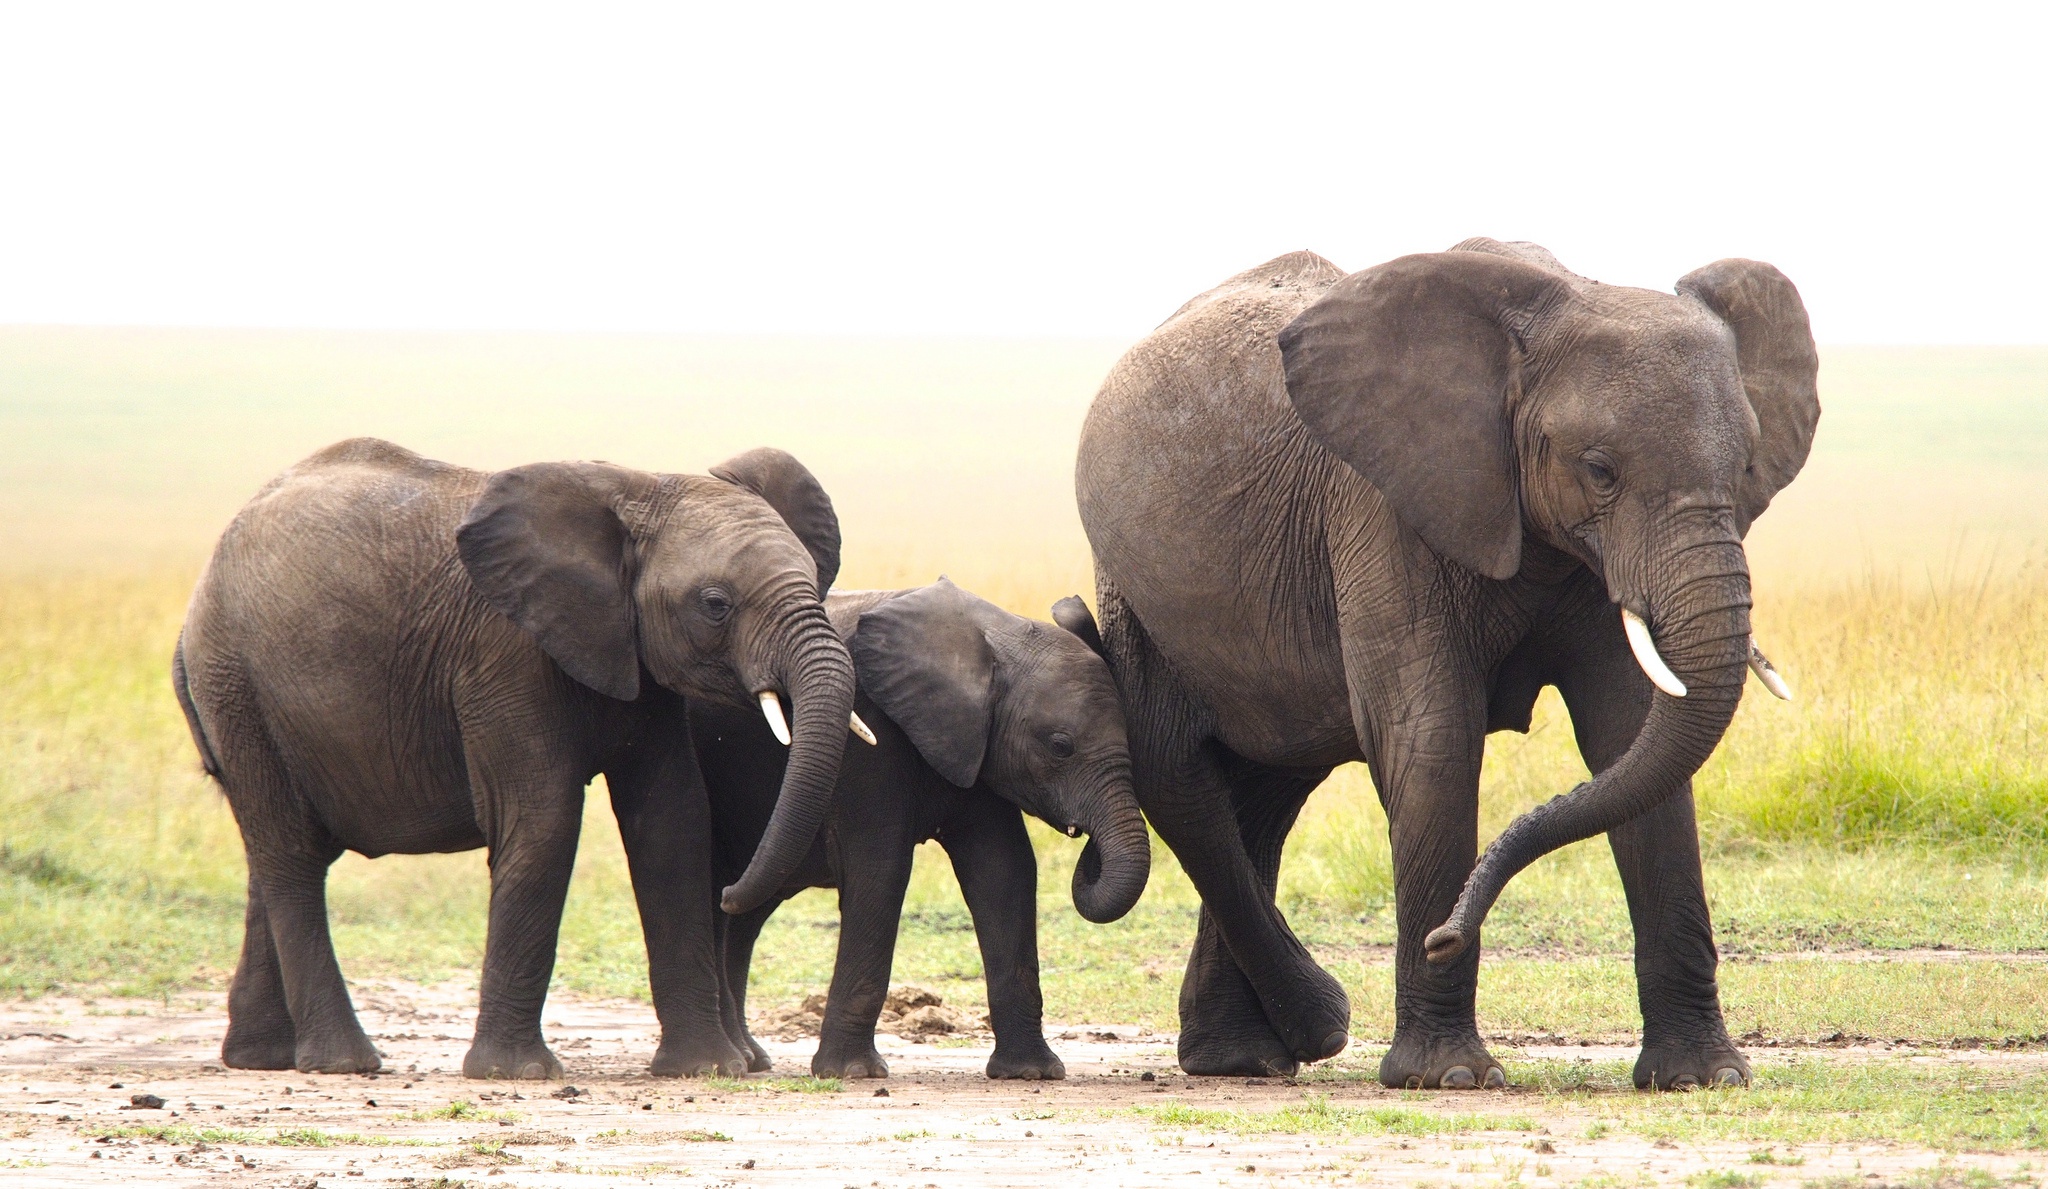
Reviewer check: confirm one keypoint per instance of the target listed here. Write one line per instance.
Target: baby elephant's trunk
(1117, 860)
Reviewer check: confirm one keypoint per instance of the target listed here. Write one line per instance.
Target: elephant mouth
(1644, 646)
(778, 722)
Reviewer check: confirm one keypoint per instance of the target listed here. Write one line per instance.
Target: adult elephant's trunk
(1118, 858)
(1700, 625)
(818, 675)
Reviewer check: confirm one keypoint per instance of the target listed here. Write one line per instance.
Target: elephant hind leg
(287, 953)
(1224, 1030)
(260, 1034)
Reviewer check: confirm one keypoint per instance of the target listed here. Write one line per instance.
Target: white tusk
(771, 709)
(860, 728)
(1760, 665)
(1654, 668)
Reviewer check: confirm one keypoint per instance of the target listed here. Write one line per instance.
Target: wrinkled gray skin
(393, 655)
(979, 716)
(1369, 518)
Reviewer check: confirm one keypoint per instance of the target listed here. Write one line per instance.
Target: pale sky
(998, 168)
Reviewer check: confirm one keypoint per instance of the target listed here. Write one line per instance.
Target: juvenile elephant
(390, 654)
(977, 713)
(1369, 517)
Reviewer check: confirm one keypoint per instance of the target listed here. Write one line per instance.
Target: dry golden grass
(1900, 801)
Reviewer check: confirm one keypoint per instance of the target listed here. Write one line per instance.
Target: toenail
(1458, 1077)
(1495, 1079)
(533, 1070)
(1333, 1044)
(1728, 1076)
(1415, 1081)
(1685, 1081)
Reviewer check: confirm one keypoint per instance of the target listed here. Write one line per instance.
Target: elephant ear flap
(1403, 371)
(925, 660)
(1774, 351)
(545, 546)
(1073, 614)
(797, 496)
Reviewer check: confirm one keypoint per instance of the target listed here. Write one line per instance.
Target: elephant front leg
(998, 874)
(665, 823)
(1685, 1039)
(1430, 788)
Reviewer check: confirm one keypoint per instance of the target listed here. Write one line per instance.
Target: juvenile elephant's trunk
(819, 679)
(1700, 626)
(1118, 858)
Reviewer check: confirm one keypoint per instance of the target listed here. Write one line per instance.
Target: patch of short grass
(796, 1085)
(461, 1109)
(1956, 1107)
(622, 1135)
(293, 1137)
(1317, 1115)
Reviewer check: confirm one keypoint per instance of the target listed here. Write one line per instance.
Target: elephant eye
(716, 604)
(1061, 743)
(1600, 470)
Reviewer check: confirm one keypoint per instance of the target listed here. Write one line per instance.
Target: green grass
(461, 1109)
(295, 1137)
(1317, 1115)
(778, 1085)
(1901, 802)
(1807, 1100)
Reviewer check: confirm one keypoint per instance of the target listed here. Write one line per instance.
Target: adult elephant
(390, 654)
(1369, 517)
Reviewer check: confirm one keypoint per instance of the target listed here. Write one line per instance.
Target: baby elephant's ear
(924, 659)
(797, 496)
(545, 545)
(1073, 614)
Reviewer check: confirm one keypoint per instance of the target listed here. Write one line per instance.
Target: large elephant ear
(925, 660)
(794, 493)
(1774, 350)
(545, 545)
(1403, 372)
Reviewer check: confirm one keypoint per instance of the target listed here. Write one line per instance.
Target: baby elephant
(977, 713)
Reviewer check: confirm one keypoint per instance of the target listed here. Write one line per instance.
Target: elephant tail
(182, 686)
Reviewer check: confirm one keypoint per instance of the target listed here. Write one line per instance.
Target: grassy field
(1900, 804)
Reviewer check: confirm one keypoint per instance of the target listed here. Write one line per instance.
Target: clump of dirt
(911, 1012)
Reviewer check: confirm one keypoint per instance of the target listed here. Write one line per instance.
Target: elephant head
(708, 585)
(1022, 708)
(1515, 415)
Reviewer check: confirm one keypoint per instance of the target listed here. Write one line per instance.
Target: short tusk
(1073, 831)
(771, 709)
(860, 728)
(1760, 665)
(1654, 668)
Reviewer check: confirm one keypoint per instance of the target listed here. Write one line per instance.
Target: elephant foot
(528, 1060)
(711, 1056)
(1441, 1063)
(250, 1048)
(345, 1054)
(1675, 1066)
(1024, 1062)
(758, 1060)
(1250, 1050)
(851, 1060)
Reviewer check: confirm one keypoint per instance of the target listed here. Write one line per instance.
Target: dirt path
(71, 1068)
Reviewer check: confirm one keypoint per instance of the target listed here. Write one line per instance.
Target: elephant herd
(1335, 518)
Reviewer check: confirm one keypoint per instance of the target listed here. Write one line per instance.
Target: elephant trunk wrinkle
(820, 683)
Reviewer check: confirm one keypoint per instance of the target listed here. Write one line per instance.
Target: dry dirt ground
(72, 1070)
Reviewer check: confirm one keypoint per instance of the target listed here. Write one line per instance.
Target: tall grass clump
(1922, 718)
